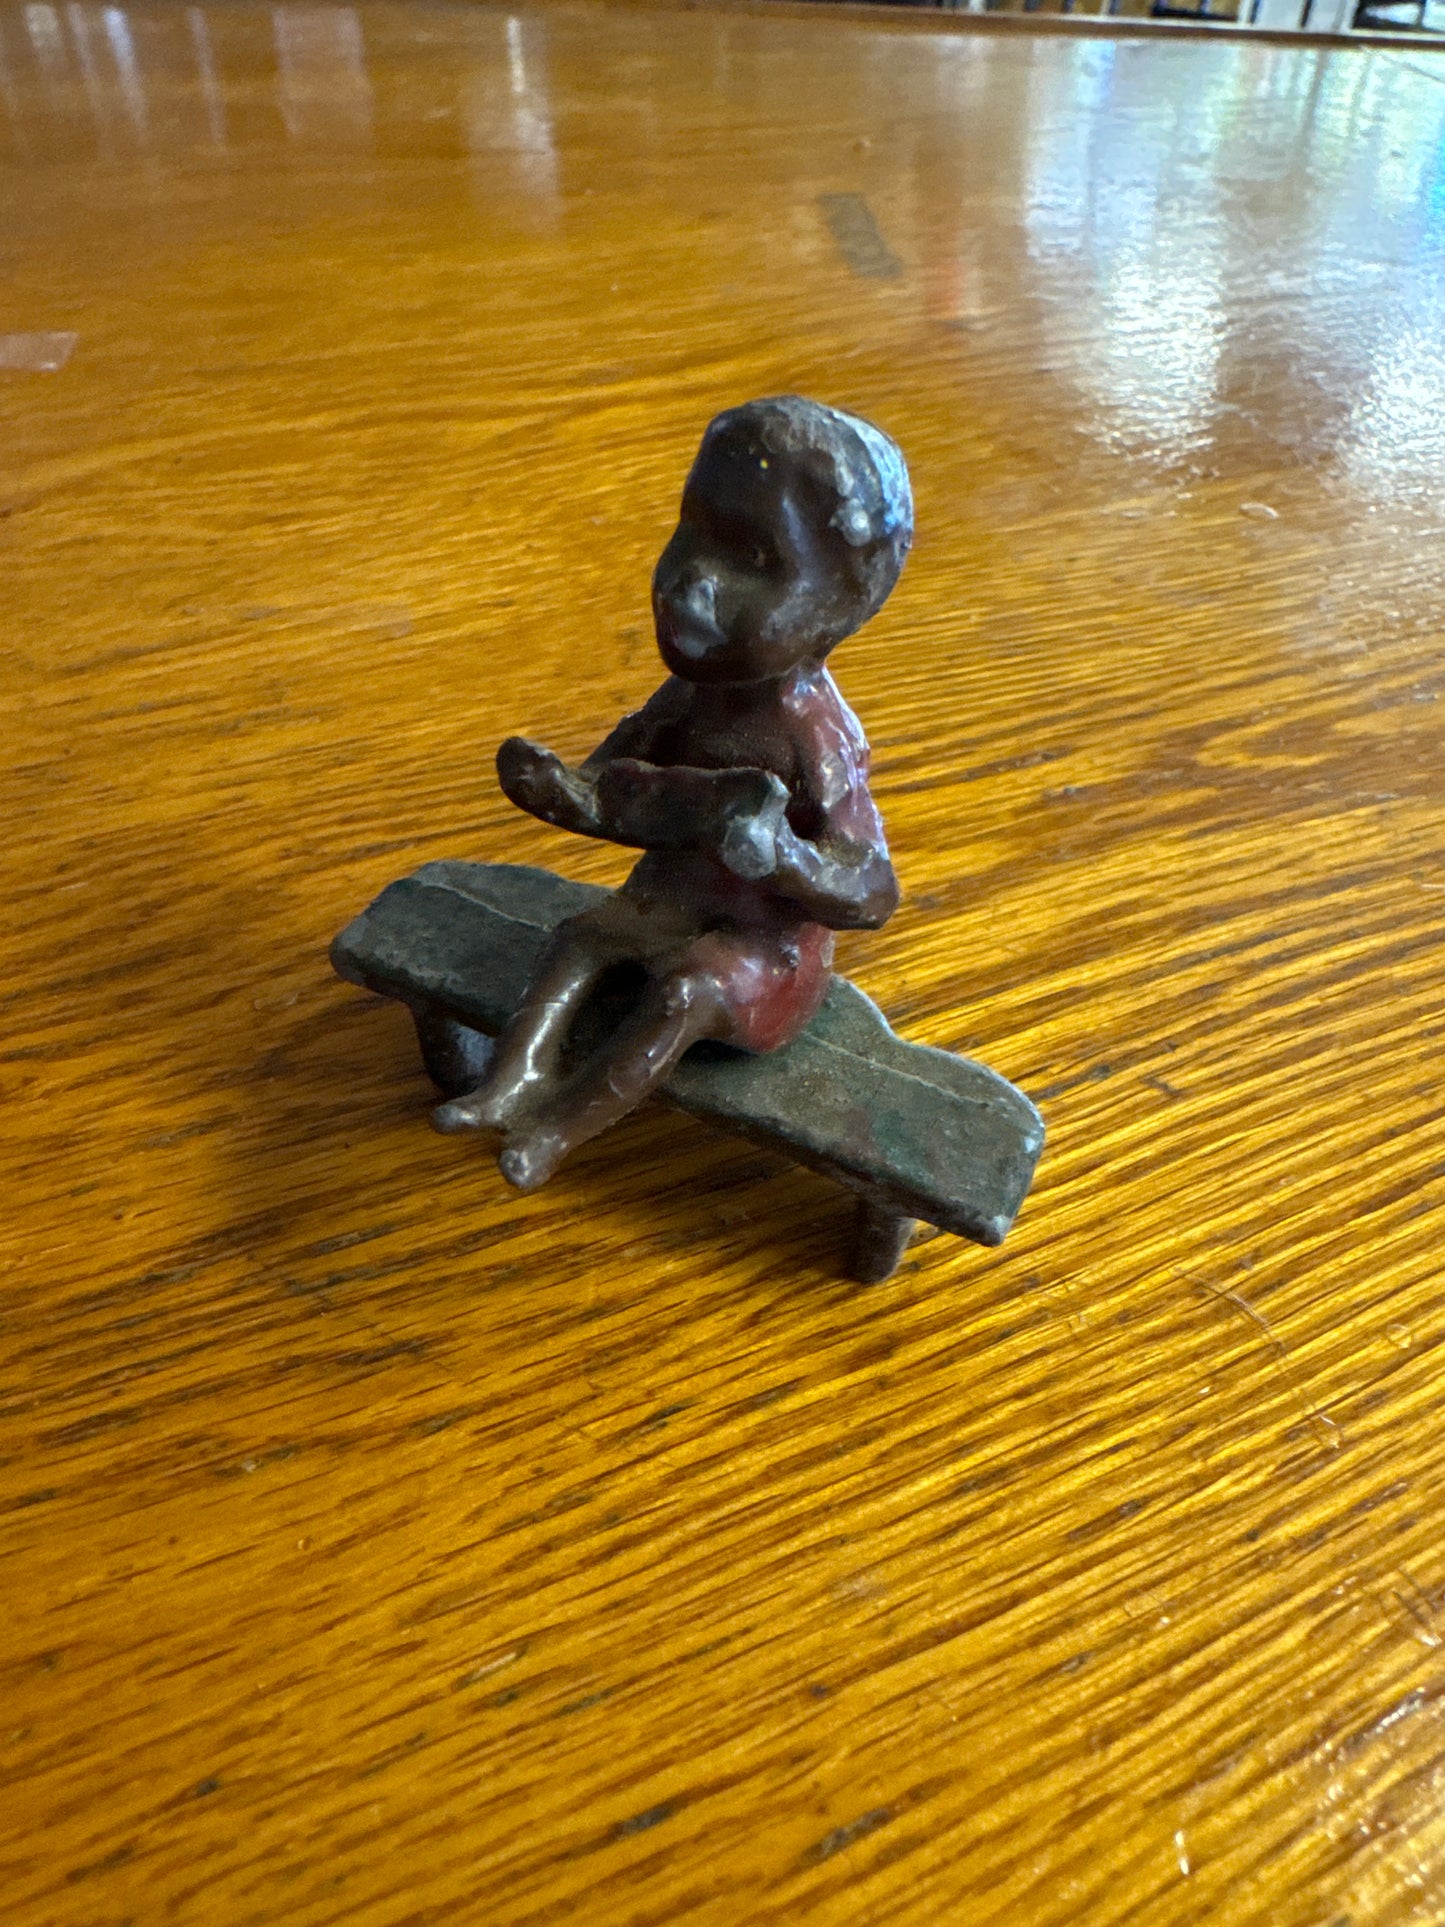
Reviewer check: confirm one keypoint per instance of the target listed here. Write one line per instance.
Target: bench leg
(456, 1057)
(879, 1241)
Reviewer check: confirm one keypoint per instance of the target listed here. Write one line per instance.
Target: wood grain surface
(382, 1547)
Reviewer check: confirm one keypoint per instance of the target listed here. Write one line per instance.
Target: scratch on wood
(842, 1837)
(1430, 1636)
(1403, 1709)
(1324, 1428)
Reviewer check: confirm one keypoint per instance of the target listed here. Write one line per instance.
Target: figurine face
(754, 580)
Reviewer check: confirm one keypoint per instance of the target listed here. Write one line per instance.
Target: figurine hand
(527, 772)
(749, 844)
(539, 782)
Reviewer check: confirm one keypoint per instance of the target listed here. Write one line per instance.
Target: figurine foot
(460, 1114)
(528, 1162)
(482, 1109)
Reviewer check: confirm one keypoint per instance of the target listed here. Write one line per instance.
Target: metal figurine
(744, 779)
(744, 782)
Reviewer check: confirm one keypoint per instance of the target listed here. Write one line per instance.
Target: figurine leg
(879, 1241)
(676, 1013)
(527, 1051)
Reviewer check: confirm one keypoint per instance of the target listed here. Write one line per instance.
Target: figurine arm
(829, 854)
(539, 782)
(840, 880)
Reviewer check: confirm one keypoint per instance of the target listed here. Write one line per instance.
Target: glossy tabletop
(379, 1546)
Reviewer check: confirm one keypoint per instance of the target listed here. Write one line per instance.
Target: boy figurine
(744, 779)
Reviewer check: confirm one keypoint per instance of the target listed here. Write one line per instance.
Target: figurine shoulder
(643, 732)
(815, 704)
(675, 695)
(668, 703)
(828, 736)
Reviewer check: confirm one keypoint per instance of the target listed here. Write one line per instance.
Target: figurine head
(794, 525)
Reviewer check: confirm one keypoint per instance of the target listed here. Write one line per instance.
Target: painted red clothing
(771, 959)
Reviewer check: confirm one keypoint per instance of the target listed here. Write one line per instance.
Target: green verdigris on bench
(914, 1132)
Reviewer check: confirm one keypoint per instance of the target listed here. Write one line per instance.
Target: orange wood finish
(381, 1547)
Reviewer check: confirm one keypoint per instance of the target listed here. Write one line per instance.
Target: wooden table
(383, 1547)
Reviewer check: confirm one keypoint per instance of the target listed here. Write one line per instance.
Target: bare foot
(529, 1161)
(478, 1110)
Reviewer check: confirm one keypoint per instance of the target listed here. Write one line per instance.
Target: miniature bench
(913, 1132)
